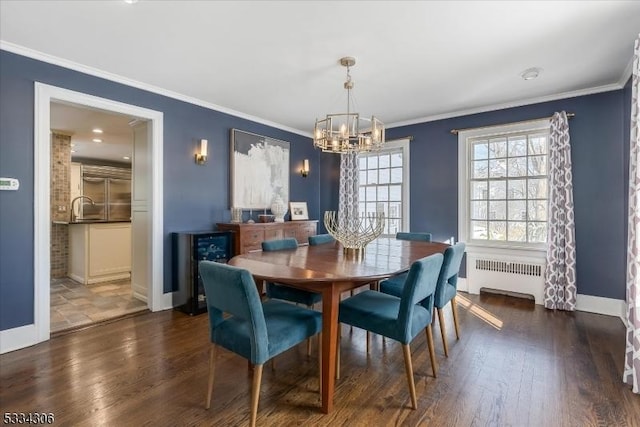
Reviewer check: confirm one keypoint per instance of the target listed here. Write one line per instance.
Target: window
(384, 185)
(505, 185)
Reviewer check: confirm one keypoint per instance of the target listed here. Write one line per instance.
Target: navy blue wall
(598, 155)
(195, 197)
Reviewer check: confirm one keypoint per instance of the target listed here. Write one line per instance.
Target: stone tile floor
(74, 305)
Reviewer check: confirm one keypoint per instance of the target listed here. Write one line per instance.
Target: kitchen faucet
(73, 212)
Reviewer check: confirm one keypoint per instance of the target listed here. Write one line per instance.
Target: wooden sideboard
(249, 237)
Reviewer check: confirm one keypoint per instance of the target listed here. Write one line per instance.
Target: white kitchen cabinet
(99, 252)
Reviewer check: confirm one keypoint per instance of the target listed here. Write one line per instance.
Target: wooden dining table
(326, 269)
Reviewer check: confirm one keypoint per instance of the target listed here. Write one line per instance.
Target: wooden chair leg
(409, 370)
(320, 362)
(443, 331)
(368, 341)
(432, 351)
(310, 307)
(454, 310)
(212, 368)
(255, 393)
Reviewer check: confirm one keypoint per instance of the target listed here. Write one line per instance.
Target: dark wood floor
(515, 365)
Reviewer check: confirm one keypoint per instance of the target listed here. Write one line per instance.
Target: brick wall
(60, 199)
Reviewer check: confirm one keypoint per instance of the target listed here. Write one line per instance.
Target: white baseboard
(601, 305)
(167, 300)
(17, 338)
(139, 296)
(462, 284)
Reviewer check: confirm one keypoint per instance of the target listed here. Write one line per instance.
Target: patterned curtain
(560, 273)
(631, 373)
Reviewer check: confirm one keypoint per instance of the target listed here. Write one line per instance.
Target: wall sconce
(201, 157)
(305, 168)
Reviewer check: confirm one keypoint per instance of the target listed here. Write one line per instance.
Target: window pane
(361, 194)
(518, 210)
(479, 210)
(382, 207)
(537, 144)
(371, 208)
(371, 194)
(361, 208)
(537, 232)
(517, 146)
(372, 176)
(362, 177)
(518, 166)
(478, 190)
(537, 210)
(396, 159)
(537, 165)
(395, 192)
(517, 231)
(479, 229)
(362, 162)
(395, 210)
(497, 148)
(480, 150)
(372, 162)
(516, 189)
(383, 177)
(383, 193)
(498, 210)
(396, 175)
(497, 230)
(498, 190)
(384, 161)
(537, 188)
(394, 226)
(497, 168)
(480, 169)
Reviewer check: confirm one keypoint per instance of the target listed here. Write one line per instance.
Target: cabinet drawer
(290, 232)
(252, 238)
(273, 234)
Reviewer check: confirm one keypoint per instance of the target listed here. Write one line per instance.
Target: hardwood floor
(516, 364)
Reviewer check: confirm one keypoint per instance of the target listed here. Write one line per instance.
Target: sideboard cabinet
(249, 237)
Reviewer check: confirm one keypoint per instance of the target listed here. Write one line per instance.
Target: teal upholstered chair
(254, 330)
(445, 291)
(399, 318)
(321, 239)
(398, 281)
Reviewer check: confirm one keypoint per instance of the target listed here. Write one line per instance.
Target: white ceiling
(278, 60)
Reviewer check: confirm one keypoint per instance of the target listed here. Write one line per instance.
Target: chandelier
(348, 132)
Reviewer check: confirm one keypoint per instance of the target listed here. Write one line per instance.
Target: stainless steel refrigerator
(110, 190)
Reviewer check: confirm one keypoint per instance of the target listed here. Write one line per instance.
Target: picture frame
(259, 171)
(299, 211)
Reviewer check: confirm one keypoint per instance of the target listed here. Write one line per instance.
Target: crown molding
(54, 60)
(513, 104)
(626, 75)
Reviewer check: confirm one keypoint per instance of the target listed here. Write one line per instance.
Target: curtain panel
(631, 373)
(560, 272)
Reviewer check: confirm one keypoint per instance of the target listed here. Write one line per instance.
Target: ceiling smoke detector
(531, 73)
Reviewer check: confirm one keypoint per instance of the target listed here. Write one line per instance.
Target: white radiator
(506, 273)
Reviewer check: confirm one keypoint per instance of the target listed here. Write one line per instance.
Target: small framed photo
(298, 210)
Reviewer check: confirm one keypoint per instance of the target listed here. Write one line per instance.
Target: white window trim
(463, 183)
(406, 163)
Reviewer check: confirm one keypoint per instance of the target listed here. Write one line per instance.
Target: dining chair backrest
(320, 239)
(419, 287)
(425, 237)
(232, 290)
(279, 245)
(448, 277)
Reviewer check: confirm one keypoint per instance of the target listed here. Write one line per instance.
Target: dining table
(330, 271)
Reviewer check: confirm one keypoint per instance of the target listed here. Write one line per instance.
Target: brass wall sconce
(201, 157)
(305, 168)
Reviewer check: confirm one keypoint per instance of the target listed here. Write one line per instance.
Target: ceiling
(116, 139)
(277, 61)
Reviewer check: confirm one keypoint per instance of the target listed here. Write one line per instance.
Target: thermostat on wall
(9, 184)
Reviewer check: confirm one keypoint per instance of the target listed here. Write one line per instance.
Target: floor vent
(517, 274)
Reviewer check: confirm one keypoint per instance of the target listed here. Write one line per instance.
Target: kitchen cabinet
(249, 237)
(99, 252)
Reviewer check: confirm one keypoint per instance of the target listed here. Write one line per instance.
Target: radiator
(519, 275)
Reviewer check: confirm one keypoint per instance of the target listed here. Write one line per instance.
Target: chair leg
(255, 393)
(443, 331)
(212, 368)
(454, 310)
(368, 341)
(409, 370)
(310, 307)
(320, 362)
(432, 351)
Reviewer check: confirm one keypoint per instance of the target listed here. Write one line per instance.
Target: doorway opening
(146, 200)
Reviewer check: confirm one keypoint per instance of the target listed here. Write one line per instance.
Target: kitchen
(90, 194)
